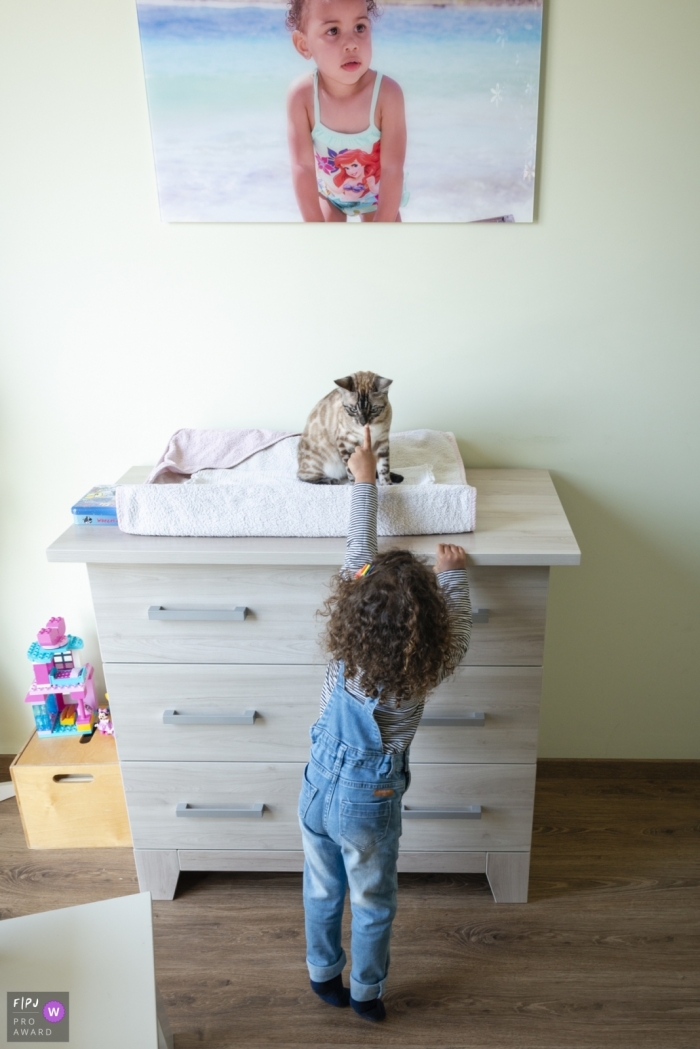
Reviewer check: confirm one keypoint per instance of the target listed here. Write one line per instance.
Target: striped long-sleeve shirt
(397, 724)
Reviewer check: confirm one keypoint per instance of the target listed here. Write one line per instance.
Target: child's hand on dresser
(363, 462)
(448, 557)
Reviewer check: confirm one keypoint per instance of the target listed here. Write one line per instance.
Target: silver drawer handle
(470, 812)
(158, 612)
(173, 717)
(481, 615)
(477, 718)
(223, 811)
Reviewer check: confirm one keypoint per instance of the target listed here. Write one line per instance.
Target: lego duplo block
(68, 678)
(53, 634)
(70, 795)
(41, 673)
(65, 730)
(36, 653)
(45, 715)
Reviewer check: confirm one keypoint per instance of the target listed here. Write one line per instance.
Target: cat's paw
(396, 478)
(321, 480)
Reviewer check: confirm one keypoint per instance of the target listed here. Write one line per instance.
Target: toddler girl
(395, 631)
(347, 126)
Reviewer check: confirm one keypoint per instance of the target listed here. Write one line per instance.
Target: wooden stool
(70, 794)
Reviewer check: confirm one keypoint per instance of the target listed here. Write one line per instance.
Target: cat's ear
(348, 383)
(380, 384)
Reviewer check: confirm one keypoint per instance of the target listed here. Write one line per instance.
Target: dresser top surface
(519, 521)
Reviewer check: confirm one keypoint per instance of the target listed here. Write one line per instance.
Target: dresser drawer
(505, 794)
(155, 789)
(515, 600)
(452, 729)
(286, 702)
(281, 625)
(285, 699)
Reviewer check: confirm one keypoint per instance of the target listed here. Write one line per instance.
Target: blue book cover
(95, 519)
(99, 501)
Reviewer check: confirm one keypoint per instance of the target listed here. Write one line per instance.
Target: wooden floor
(606, 954)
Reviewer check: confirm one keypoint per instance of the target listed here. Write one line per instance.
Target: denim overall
(350, 815)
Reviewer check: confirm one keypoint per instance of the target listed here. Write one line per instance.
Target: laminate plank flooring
(604, 955)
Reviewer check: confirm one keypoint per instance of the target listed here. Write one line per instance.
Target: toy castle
(63, 693)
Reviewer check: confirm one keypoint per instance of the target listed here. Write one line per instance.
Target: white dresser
(214, 672)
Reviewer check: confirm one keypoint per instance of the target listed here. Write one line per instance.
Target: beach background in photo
(217, 75)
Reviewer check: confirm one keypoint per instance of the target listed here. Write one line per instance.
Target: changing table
(214, 670)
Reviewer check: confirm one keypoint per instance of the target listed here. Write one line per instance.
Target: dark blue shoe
(332, 992)
(373, 1010)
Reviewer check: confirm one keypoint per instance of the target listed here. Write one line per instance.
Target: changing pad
(263, 497)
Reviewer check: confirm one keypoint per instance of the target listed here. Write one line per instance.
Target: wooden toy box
(70, 794)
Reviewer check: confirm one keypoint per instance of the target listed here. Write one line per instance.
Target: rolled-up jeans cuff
(366, 992)
(321, 973)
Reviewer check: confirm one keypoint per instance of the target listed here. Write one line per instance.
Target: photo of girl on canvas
(382, 96)
(346, 122)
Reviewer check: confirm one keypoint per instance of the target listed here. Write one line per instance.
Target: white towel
(190, 450)
(422, 456)
(263, 497)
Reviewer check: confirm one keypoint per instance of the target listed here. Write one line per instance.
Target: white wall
(569, 344)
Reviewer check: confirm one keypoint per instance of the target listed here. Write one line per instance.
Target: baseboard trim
(619, 761)
(638, 769)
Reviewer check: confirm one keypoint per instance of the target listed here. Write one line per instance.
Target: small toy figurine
(104, 721)
(62, 694)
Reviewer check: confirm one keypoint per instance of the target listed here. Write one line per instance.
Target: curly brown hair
(391, 627)
(295, 13)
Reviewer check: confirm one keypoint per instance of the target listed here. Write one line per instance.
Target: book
(102, 499)
(95, 519)
(97, 507)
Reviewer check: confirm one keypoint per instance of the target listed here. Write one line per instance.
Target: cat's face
(364, 396)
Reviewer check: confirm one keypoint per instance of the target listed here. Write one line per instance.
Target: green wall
(570, 344)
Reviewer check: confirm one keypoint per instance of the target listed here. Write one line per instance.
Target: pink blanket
(192, 450)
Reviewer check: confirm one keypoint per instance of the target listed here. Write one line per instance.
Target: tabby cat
(335, 428)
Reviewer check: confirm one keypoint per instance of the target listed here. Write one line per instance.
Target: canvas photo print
(343, 110)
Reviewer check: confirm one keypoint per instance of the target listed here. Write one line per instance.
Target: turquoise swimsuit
(348, 167)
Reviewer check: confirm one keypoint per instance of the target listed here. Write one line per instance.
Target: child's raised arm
(301, 151)
(362, 530)
(450, 568)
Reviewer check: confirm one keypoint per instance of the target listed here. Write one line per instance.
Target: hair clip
(365, 570)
